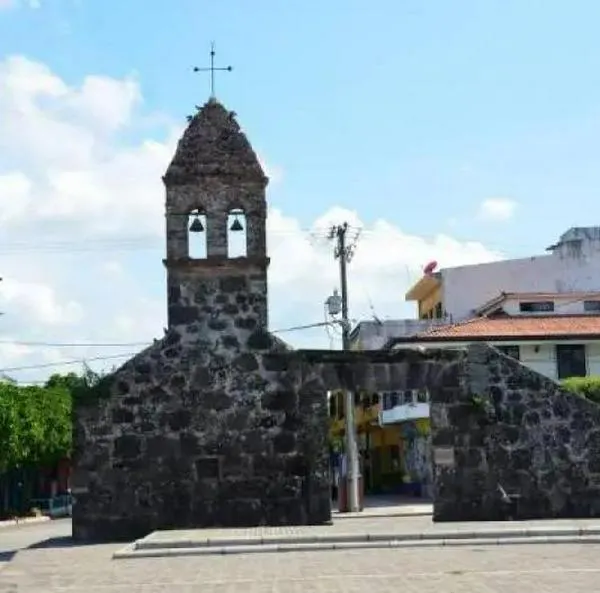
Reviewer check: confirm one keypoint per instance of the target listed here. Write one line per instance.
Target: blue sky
(385, 109)
(408, 111)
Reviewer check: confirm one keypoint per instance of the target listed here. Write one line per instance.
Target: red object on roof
(428, 269)
(540, 326)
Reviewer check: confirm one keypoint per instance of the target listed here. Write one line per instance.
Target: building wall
(182, 436)
(541, 356)
(543, 360)
(373, 335)
(466, 288)
(426, 306)
(498, 423)
(563, 305)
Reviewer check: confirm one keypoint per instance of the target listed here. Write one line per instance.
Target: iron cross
(212, 69)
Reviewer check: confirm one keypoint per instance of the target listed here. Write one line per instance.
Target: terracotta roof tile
(518, 327)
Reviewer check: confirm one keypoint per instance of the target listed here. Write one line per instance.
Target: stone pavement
(367, 532)
(518, 569)
(388, 506)
(18, 537)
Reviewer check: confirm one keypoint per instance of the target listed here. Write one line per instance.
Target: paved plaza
(45, 561)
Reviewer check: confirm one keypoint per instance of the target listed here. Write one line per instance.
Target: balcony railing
(404, 413)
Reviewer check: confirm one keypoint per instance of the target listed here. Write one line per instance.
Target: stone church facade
(204, 427)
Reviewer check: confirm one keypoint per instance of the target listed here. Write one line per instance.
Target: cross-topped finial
(212, 69)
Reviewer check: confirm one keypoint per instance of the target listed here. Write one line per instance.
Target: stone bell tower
(215, 204)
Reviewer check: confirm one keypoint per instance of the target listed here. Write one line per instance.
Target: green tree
(10, 427)
(79, 386)
(35, 425)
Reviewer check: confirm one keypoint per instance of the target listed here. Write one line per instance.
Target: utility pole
(344, 253)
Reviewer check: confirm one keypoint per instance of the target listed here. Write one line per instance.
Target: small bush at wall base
(588, 387)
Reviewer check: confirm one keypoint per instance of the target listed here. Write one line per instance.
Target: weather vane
(212, 69)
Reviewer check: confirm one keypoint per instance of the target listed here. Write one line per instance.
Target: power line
(316, 236)
(116, 356)
(301, 327)
(75, 344)
(65, 362)
(125, 244)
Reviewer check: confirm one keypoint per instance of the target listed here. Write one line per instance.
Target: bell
(196, 226)
(236, 226)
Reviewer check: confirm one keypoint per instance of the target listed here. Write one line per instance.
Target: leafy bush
(35, 425)
(35, 421)
(588, 387)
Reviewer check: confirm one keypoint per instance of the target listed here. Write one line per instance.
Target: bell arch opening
(197, 231)
(237, 234)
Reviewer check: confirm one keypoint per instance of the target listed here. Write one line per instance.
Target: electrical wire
(125, 244)
(116, 356)
(65, 362)
(75, 344)
(315, 236)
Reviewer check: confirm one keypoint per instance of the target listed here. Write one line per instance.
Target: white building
(374, 335)
(544, 310)
(572, 265)
(557, 335)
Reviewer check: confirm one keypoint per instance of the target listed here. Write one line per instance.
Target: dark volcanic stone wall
(197, 433)
(498, 423)
(184, 437)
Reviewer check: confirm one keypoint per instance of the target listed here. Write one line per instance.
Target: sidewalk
(356, 533)
(23, 521)
(388, 506)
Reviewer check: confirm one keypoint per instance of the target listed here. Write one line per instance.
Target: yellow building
(379, 446)
(427, 293)
(393, 427)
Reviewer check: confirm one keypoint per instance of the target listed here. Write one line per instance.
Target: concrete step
(165, 547)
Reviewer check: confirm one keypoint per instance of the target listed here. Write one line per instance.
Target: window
(390, 400)
(422, 396)
(512, 351)
(439, 312)
(536, 307)
(591, 306)
(332, 407)
(407, 397)
(570, 360)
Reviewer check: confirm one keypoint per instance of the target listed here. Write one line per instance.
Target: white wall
(563, 305)
(593, 358)
(540, 357)
(372, 335)
(567, 269)
(543, 361)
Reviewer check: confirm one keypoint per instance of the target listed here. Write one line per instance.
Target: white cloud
(69, 178)
(497, 209)
(38, 303)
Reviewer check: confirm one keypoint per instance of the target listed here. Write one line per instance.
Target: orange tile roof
(543, 326)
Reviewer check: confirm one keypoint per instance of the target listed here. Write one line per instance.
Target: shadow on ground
(7, 556)
(65, 541)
